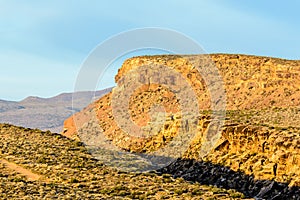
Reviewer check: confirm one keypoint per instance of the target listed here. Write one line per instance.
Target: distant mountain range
(46, 113)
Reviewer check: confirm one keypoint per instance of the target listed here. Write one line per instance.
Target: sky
(44, 43)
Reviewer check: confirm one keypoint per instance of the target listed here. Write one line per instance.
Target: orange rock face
(250, 82)
(251, 141)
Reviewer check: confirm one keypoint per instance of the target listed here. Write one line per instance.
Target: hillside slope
(43, 165)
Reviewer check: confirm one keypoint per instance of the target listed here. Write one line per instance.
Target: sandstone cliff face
(251, 82)
(261, 134)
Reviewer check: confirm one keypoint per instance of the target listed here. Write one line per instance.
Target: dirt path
(21, 170)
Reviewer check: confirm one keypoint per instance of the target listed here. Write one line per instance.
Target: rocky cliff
(259, 138)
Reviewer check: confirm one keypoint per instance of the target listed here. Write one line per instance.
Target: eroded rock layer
(261, 133)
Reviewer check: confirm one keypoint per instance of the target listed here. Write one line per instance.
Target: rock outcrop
(261, 133)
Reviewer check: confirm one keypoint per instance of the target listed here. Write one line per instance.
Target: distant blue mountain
(46, 113)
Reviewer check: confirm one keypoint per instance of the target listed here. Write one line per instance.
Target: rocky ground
(36, 164)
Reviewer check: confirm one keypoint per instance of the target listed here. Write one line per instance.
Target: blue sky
(44, 43)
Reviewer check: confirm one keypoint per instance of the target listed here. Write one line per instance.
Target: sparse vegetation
(70, 172)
